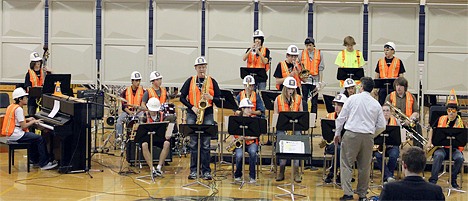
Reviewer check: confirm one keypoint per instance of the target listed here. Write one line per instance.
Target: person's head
(292, 53)
(156, 78)
(349, 42)
(258, 37)
(386, 111)
(367, 84)
(400, 85)
(389, 49)
(452, 105)
(350, 86)
(338, 102)
(249, 83)
(414, 160)
(136, 78)
(20, 96)
(246, 106)
(153, 106)
(289, 87)
(36, 61)
(200, 66)
(309, 44)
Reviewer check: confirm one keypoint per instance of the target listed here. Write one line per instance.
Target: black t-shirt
(184, 92)
(389, 61)
(278, 72)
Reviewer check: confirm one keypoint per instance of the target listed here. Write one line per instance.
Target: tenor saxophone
(203, 103)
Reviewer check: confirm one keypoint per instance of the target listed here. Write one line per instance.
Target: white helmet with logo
(340, 98)
(258, 33)
(153, 104)
(245, 103)
(200, 61)
(18, 93)
(349, 83)
(292, 50)
(155, 75)
(290, 82)
(248, 79)
(34, 56)
(135, 75)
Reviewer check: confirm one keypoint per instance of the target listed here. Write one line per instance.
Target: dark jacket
(411, 188)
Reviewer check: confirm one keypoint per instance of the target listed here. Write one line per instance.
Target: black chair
(4, 100)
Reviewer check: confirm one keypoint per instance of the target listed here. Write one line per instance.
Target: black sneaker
(455, 185)
(192, 176)
(207, 176)
(328, 179)
(346, 197)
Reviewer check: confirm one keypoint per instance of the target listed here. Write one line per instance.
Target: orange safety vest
(393, 121)
(444, 123)
(254, 61)
(253, 98)
(36, 81)
(150, 120)
(283, 105)
(194, 95)
(8, 125)
(391, 71)
(285, 73)
(152, 93)
(409, 102)
(134, 99)
(311, 65)
(331, 116)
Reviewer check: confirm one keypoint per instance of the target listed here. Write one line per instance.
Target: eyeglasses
(451, 110)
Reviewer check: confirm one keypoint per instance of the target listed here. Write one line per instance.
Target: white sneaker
(49, 166)
(237, 179)
(252, 181)
(390, 179)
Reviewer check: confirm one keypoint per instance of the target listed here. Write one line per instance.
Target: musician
(388, 67)
(338, 102)
(312, 60)
(34, 78)
(349, 87)
(349, 57)
(133, 94)
(451, 120)
(250, 143)
(288, 100)
(413, 186)
(288, 68)
(392, 151)
(364, 118)
(156, 90)
(258, 108)
(258, 55)
(407, 103)
(15, 126)
(190, 96)
(155, 115)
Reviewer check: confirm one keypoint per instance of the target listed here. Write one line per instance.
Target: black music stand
(35, 92)
(293, 121)
(259, 74)
(452, 137)
(385, 83)
(156, 130)
(269, 101)
(328, 134)
(248, 126)
(328, 100)
(353, 73)
(64, 79)
(198, 130)
(391, 136)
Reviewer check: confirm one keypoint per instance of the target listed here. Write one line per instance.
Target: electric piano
(70, 143)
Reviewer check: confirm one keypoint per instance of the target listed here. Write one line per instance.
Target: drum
(131, 126)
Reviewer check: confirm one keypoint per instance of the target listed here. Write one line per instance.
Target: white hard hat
(200, 60)
(248, 79)
(349, 83)
(391, 45)
(135, 75)
(340, 98)
(290, 82)
(292, 50)
(258, 33)
(153, 104)
(34, 56)
(155, 75)
(245, 103)
(18, 93)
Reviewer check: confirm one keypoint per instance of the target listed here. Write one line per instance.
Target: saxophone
(203, 103)
(237, 143)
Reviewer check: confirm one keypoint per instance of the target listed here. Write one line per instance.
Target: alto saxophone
(203, 103)
(237, 143)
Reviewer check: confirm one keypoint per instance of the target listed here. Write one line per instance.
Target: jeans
(261, 85)
(204, 147)
(393, 154)
(330, 149)
(283, 161)
(38, 152)
(119, 125)
(438, 158)
(306, 89)
(252, 150)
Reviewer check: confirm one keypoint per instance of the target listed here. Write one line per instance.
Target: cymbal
(117, 97)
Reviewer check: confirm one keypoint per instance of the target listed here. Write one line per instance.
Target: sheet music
(274, 120)
(226, 123)
(312, 117)
(46, 126)
(169, 130)
(55, 109)
(292, 147)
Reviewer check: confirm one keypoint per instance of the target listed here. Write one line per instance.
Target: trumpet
(237, 143)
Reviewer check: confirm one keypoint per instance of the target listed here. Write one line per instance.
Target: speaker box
(94, 96)
(156, 152)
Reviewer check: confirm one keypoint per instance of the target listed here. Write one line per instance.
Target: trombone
(402, 116)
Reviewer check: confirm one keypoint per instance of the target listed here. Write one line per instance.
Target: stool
(12, 146)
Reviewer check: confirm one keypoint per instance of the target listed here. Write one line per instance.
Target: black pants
(306, 90)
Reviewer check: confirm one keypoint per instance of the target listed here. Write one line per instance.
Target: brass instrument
(399, 114)
(237, 143)
(324, 143)
(203, 103)
(304, 74)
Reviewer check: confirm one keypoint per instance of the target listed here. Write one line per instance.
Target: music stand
(353, 73)
(154, 130)
(385, 83)
(328, 100)
(328, 134)
(248, 126)
(35, 92)
(198, 130)
(64, 79)
(391, 136)
(452, 137)
(294, 121)
(269, 102)
(259, 74)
